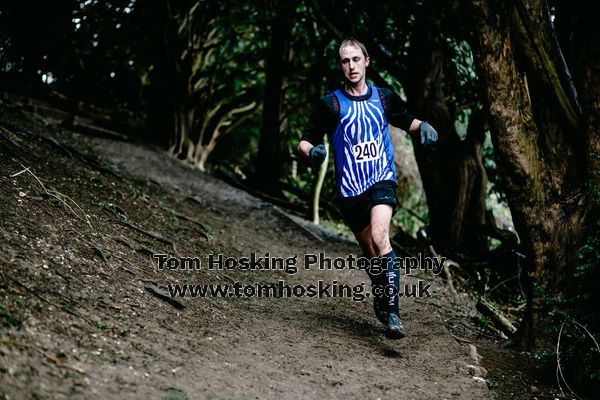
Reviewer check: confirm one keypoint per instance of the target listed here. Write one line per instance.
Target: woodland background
(228, 87)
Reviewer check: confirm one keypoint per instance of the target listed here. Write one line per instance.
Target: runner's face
(353, 64)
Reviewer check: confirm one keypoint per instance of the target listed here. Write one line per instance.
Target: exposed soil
(82, 314)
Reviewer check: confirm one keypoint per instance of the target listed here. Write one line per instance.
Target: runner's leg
(378, 277)
(381, 216)
(366, 242)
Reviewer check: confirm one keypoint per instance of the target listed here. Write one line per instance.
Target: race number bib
(365, 151)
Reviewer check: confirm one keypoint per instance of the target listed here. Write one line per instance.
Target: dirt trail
(79, 320)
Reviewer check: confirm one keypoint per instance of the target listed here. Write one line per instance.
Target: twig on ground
(61, 147)
(122, 241)
(62, 198)
(20, 172)
(502, 283)
(146, 251)
(85, 158)
(100, 253)
(126, 269)
(559, 368)
(496, 316)
(130, 264)
(459, 339)
(196, 200)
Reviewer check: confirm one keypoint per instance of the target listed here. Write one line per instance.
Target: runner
(356, 117)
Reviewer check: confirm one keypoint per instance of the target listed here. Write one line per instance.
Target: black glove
(428, 134)
(317, 155)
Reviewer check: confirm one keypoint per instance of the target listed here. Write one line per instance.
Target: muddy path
(83, 306)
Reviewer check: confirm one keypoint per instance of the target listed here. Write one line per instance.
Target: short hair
(355, 43)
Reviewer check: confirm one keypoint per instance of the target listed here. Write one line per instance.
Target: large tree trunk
(270, 157)
(544, 187)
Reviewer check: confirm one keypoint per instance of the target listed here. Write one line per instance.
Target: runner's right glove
(317, 155)
(428, 134)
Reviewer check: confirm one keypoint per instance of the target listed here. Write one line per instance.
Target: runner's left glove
(428, 134)
(317, 155)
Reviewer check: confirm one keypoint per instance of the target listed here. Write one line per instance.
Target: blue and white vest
(363, 150)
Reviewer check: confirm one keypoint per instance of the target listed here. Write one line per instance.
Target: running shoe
(395, 329)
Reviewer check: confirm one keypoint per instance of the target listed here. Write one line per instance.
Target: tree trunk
(226, 122)
(544, 189)
(453, 176)
(269, 161)
(462, 211)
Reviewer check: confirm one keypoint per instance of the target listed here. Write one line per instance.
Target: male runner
(356, 117)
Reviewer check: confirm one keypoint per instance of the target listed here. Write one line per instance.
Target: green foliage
(575, 318)
(491, 382)
(406, 222)
(484, 321)
(589, 254)
(462, 84)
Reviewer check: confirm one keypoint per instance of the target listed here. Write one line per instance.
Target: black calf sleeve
(392, 279)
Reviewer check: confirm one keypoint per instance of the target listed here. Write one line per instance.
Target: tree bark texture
(537, 144)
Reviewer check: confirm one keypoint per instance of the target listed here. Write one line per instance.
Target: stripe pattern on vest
(362, 148)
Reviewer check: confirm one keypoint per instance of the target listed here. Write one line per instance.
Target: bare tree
(201, 101)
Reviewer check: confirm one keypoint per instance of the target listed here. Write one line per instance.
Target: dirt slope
(80, 316)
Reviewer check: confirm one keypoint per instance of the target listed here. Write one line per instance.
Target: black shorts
(356, 210)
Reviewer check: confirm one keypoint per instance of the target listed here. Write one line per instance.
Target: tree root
(161, 294)
(154, 235)
(190, 219)
(9, 139)
(302, 227)
(446, 269)
(97, 250)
